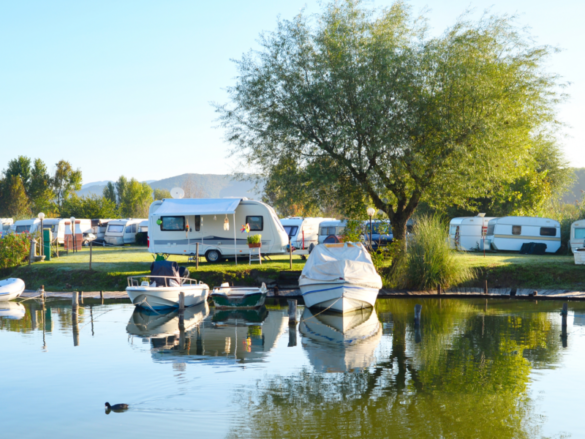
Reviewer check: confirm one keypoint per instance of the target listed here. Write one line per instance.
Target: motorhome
(510, 232)
(577, 237)
(177, 225)
(468, 233)
(60, 227)
(331, 229)
(303, 233)
(122, 231)
(5, 225)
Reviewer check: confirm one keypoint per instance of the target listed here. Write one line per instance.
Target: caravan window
(172, 223)
(331, 231)
(256, 223)
(490, 229)
(580, 233)
(131, 229)
(516, 230)
(115, 228)
(22, 229)
(548, 231)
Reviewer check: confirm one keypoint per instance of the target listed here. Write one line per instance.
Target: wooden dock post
(181, 301)
(292, 311)
(102, 297)
(43, 294)
(485, 288)
(74, 318)
(74, 302)
(81, 297)
(564, 314)
(292, 336)
(197, 256)
(439, 289)
(417, 312)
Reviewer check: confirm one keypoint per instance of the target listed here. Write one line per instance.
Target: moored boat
(11, 288)
(340, 278)
(162, 288)
(225, 297)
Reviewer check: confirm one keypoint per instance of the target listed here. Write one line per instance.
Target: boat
(226, 297)
(340, 342)
(11, 288)
(11, 310)
(162, 288)
(340, 278)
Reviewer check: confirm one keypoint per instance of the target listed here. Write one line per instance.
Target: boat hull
(244, 301)
(340, 297)
(11, 288)
(158, 298)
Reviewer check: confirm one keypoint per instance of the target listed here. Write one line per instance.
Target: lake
(474, 369)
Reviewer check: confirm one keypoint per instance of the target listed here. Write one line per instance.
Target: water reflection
(340, 342)
(11, 310)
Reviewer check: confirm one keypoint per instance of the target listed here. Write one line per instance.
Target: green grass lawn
(111, 266)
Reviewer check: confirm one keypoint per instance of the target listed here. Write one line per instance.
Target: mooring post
(292, 311)
(197, 256)
(564, 314)
(74, 318)
(292, 336)
(439, 289)
(181, 301)
(485, 288)
(417, 312)
(74, 302)
(43, 294)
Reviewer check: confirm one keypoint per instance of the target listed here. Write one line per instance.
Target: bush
(141, 238)
(429, 260)
(14, 249)
(254, 239)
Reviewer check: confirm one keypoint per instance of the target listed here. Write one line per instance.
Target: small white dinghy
(11, 288)
(162, 288)
(340, 278)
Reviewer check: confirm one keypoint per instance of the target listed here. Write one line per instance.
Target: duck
(116, 407)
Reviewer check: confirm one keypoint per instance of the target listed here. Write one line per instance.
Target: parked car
(381, 234)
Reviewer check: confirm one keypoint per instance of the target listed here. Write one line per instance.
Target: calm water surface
(475, 368)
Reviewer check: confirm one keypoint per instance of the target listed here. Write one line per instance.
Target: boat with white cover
(340, 278)
(11, 310)
(11, 288)
(340, 342)
(162, 288)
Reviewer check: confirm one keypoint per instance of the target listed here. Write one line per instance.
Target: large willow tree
(406, 116)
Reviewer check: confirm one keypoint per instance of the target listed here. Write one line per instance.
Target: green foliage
(40, 191)
(92, 206)
(430, 261)
(65, 181)
(14, 249)
(20, 167)
(369, 96)
(110, 192)
(135, 198)
(14, 202)
(141, 238)
(161, 194)
(121, 186)
(566, 215)
(353, 231)
(254, 239)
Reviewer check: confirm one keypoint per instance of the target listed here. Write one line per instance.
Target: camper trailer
(468, 233)
(577, 237)
(26, 226)
(5, 226)
(177, 225)
(303, 233)
(60, 227)
(509, 233)
(122, 231)
(99, 226)
(332, 230)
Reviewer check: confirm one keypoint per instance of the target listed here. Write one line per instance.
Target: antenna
(177, 193)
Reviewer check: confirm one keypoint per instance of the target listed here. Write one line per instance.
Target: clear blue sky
(124, 87)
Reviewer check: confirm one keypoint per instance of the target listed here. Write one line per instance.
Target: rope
(28, 298)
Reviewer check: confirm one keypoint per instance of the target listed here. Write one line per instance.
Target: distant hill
(577, 191)
(207, 185)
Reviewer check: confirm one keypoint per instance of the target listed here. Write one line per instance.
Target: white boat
(340, 278)
(11, 288)
(340, 342)
(226, 297)
(11, 310)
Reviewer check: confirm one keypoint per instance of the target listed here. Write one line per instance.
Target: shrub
(429, 260)
(254, 239)
(14, 249)
(141, 238)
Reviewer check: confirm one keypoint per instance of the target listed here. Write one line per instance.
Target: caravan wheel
(213, 256)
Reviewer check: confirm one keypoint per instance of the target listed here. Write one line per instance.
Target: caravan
(123, 231)
(303, 233)
(510, 232)
(59, 227)
(5, 226)
(331, 231)
(26, 226)
(577, 239)
(99, 226)
(468, 233)
(177, 225)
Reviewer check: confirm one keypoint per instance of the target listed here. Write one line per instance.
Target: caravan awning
(198, 206)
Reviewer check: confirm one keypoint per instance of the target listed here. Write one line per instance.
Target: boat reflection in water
(11, 310)
(340, 342)
(224, 336)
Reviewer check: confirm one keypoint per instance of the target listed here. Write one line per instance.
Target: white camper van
(510, 232)
(303, 232)
(331, 228)
(122, 231)
(177, 225)
(60, 226)
(99, 226)
(577, 237)
(5, 225)
(468, 233)
(26, 226)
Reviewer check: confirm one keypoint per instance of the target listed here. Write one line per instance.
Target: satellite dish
(177, 193)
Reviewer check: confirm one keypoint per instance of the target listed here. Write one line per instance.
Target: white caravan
(5, 225)
(468, 233)
(328, 228)
(99, 226)
(177, 225)
(303, 232)
(26, 226)
(510, 232)
(577, 238)
(122, 231)
(60, 227)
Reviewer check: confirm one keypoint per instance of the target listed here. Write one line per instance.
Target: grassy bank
(111, 266)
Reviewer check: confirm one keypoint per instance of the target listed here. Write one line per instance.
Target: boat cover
(350, 263)
(198, 206)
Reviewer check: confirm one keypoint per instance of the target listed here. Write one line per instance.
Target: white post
(235, 246)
